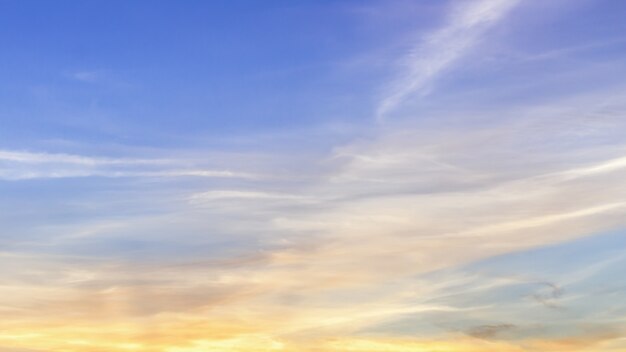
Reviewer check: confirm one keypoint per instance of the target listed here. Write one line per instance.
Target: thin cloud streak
(441, 49)
(22, 165)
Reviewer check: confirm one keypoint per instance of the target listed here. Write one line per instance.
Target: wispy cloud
(88, 76)
(40, 158)
(23, 165)
(442, 48)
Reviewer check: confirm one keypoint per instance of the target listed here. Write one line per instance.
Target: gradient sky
(347, 175)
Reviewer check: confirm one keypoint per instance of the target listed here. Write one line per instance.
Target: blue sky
(312, 175)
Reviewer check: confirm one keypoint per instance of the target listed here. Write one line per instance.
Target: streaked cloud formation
(28, 165)
(442, 48)
(488, 217)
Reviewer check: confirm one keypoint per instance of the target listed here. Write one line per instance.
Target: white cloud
(442, 48)
(88, 76)
(39, 158)
(20, 165)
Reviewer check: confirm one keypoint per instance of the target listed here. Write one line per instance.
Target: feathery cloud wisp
(440, 49)
(23, 165)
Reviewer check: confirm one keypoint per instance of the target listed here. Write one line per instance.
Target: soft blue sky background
(163, 74)
(468, 155)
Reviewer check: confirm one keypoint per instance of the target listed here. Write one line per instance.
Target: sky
(315, 176)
